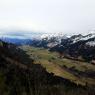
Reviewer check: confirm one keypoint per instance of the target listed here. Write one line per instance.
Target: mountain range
(81, 47)
(22, 62)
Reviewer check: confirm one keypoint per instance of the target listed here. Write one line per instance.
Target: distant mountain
(17, 41)
(19, 37)
(20, 34)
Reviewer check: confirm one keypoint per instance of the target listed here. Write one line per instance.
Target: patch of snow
(91, 43)
(86, 37)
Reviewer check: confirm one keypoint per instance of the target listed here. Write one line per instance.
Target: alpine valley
(47, 64)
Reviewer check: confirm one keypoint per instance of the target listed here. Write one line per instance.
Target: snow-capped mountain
(47, 39)
(78, 46)
(80, 37)
(57, 38)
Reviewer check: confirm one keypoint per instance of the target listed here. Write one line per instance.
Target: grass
(54, 64)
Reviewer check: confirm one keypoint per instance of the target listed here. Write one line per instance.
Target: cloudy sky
(67, 16)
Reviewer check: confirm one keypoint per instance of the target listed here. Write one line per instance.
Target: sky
(66, 16)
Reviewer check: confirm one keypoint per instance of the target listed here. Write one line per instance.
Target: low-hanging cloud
(68, 16)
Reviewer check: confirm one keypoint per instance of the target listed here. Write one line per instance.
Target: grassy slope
(54, 64)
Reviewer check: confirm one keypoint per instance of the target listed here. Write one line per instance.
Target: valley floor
(78, 72)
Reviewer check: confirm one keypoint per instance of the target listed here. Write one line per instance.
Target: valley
(82, 73)
(27, 70)
(54, 65)
(47, 47)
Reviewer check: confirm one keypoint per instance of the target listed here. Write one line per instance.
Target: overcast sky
(67, 16)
